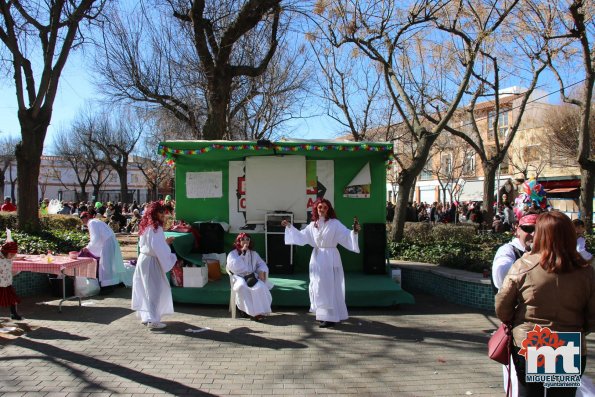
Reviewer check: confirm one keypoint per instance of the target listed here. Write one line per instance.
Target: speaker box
(374, 248)
(278, 254)
(211, 238)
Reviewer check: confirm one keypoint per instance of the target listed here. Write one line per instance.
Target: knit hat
(9, 248)
(168, 198)
(98, 205)
(529, 219)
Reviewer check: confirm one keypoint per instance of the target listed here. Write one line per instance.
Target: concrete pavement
(432, 348)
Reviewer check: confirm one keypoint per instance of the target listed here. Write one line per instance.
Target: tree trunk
(412, 192)
(218, 101)
(407, 179)
(489, 179)
(28, 154)
(13, 191)
(2, 183)
(123, 175)
(401, 208)
(83, 195)
(586, 198)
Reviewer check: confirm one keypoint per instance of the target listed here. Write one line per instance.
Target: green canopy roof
(233, 150)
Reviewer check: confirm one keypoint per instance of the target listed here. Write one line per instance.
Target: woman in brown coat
(552, 286)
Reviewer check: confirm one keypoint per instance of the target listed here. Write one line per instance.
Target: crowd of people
(120, 217)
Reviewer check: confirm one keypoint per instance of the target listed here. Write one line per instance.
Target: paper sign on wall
(204, 184)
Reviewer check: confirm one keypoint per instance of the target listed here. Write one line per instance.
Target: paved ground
(430, 348)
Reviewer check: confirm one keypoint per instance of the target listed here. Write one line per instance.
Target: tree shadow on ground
(241, 336)
(64, 358)
(44, 333)
(89, 314)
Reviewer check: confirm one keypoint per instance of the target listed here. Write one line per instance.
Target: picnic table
(58, 265)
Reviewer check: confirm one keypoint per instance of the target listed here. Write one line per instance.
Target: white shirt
(503, 260)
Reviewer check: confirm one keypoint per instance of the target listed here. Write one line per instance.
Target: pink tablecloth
(85, 267)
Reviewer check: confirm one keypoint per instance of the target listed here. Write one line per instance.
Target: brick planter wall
(456, 286)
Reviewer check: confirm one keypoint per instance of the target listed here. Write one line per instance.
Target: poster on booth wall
(359, 187)
(319, 183)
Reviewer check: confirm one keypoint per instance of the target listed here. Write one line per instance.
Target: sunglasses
(527, 228)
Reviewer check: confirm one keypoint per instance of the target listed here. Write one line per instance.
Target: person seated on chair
(249, 279)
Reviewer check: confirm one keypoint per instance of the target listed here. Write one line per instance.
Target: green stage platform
(362, 290)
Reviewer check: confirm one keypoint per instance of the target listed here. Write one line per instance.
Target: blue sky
(77, 88)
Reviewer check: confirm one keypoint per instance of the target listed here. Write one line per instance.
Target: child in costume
(8, 295)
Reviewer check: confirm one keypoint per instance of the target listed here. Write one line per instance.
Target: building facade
(58, 180)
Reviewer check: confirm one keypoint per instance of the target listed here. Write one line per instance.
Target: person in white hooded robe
(327, 280)
(151, 293)
(249, 279)
(104, 245)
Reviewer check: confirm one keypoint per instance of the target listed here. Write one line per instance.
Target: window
(426, 173)
(134, 178)
(469, 166)
(446, 164)
(502, 123)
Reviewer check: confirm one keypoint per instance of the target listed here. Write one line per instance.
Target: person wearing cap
(510, 252)
(506, 255)
(104, 245)
(8, 206)
(8, 295)
(43, 208)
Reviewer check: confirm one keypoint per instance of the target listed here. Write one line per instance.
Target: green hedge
(456, 246)
(57, 241)
(48, 222)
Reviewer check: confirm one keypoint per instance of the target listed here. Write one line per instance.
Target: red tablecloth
(85, 267)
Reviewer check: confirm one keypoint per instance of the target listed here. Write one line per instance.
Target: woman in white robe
(327, 281)
(104, 245)
(244, 262)
(151, 293)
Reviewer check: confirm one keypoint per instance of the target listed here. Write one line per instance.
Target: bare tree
(450, 159)
(519, 45)
(575, 29)
(7, 159)
(147, 57)
(75, 150)
(99, 177)
(38, 34)
(400, 39)
(115, 140)
(352, 88)
(153, 166)
(562, 130)
(261, 105)
(526, 161)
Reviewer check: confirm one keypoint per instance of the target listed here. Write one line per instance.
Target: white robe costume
(254, 300)
(151, 294)
(327, 281)
(104, 245)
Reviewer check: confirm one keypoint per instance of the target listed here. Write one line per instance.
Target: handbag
(500, 344)
(251, 280)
